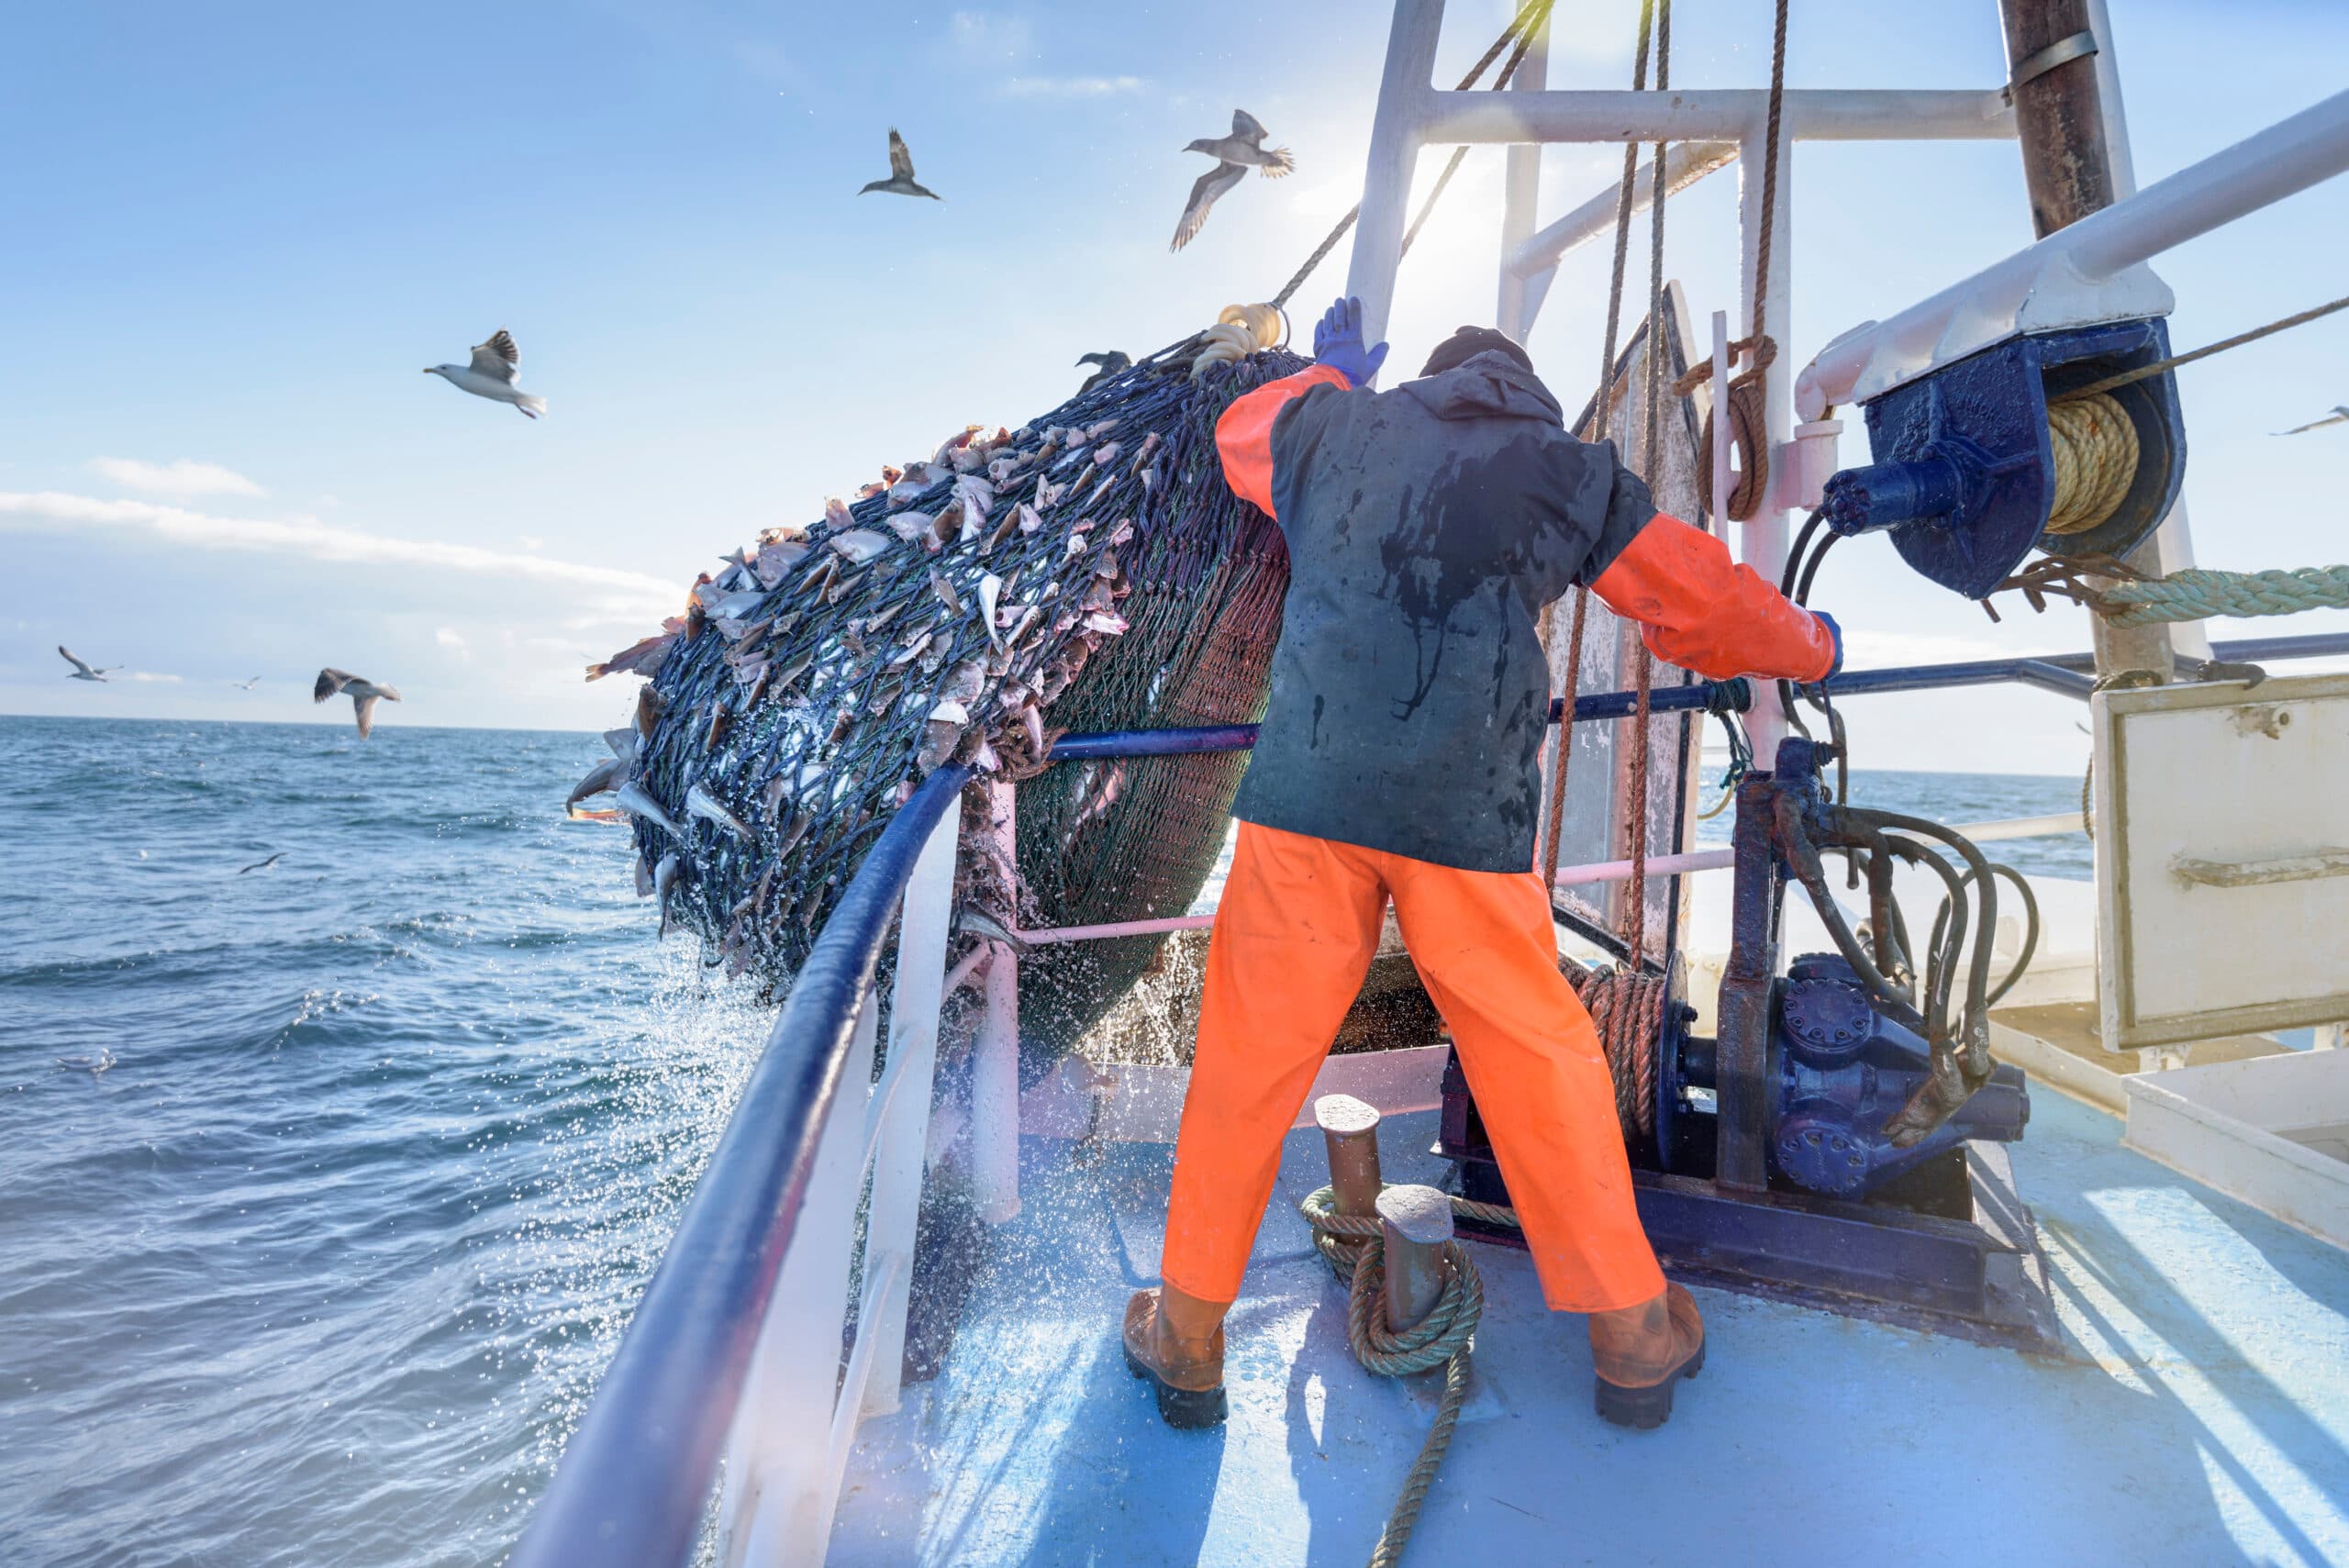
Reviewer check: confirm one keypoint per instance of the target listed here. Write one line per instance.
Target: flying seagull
(1112, 364)
(265, 865)
(900, 181)
(2339, 415)
(491, 374)
(246, 685)
(82, 672)
(361, 692)
(1235, 154)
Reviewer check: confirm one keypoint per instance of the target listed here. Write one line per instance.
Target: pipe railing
(733, 1347)
(635, 1480)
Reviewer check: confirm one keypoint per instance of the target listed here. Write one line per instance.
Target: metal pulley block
(1970, 477)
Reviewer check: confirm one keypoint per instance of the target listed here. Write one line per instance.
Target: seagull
(2339, 415)
(491, 374)
(83, 672)
(1112, 364)
(361, 692)
(1235, 154)
(246, 685)
(265, 865)
(900, 181)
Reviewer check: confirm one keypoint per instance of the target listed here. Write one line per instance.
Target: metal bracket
(2062, 52)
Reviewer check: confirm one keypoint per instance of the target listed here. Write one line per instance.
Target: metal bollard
(1350, 1129)
(1417, 1223)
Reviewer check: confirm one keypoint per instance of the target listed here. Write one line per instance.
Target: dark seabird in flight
(81, 671)
(263, 865)
(361, 692)
(1235, 154)
(1112, 364)
(900, 181)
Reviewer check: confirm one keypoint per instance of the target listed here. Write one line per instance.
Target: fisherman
(1427, 528)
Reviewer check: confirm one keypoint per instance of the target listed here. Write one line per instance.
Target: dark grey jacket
(1427, 527)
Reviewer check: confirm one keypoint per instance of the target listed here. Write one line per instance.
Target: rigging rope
(1747, 399)
(2143, 372)
(2197, 593)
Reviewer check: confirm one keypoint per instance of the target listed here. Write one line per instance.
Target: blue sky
(235, 234)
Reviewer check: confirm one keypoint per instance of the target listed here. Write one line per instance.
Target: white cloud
(149, 676)
(449, 637)
(182, 480)
(1071, 86)
(616, 591)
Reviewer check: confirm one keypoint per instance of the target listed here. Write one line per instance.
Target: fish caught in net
(1087, 572)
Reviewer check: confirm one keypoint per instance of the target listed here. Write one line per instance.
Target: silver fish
(636, 803)
(664, 877)
(990, 591)
(858, 546)
(979, 923)
(700, 803)
(622, 741)
(945, 592)
(604, 775)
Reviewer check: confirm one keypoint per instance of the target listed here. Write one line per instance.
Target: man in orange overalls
(1400, 758)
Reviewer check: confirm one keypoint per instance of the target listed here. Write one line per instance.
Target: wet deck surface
(2202, 1414)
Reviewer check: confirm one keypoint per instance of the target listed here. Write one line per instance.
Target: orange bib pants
(1294, 937)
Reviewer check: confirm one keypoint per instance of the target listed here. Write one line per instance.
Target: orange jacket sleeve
(1244, 434)
(1698, 610)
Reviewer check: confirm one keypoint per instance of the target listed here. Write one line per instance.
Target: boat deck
(2200, 1415)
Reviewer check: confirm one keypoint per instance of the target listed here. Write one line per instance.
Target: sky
(234, 235)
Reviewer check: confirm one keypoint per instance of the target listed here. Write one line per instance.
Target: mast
(2068, 167)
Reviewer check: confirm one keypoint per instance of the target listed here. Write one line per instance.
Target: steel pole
(2067, 170)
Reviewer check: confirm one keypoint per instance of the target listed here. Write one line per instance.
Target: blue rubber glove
(1337, 342)
(1836, 633)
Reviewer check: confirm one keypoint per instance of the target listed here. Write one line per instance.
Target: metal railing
(734, 1349)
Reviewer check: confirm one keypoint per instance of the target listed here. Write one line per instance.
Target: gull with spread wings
(361, 692)
(81, 671)
(491, 374)
(2339, 415)
(1235, 154)
(900, 181)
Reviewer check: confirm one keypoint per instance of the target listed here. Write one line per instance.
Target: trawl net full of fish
(970, 607)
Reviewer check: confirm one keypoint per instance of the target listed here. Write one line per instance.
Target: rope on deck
(1356, 1251)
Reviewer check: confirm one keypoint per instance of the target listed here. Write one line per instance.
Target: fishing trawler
(2018, 1207)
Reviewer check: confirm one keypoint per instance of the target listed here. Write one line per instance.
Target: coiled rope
(1357, 1253)
(2095, 447)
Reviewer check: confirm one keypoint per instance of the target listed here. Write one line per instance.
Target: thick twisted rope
(2195, 593)
(2094, 444)
(1356, 1251)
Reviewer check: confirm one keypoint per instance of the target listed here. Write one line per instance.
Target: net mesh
(1088, 571)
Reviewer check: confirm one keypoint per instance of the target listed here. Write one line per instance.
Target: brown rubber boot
(1642, 1353)
(1176, 1341)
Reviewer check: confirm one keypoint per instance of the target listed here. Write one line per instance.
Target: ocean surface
(326, 1189)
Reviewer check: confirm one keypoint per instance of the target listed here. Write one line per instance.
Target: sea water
(326, 1189)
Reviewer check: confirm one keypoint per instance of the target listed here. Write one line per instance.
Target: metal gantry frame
(1711, 129)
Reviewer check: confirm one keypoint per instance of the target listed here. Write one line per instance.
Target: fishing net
(1090, 571)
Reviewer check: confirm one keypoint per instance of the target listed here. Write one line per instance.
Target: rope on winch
(2094, 443)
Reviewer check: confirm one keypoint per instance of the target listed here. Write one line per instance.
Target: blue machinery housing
(635, 1481)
